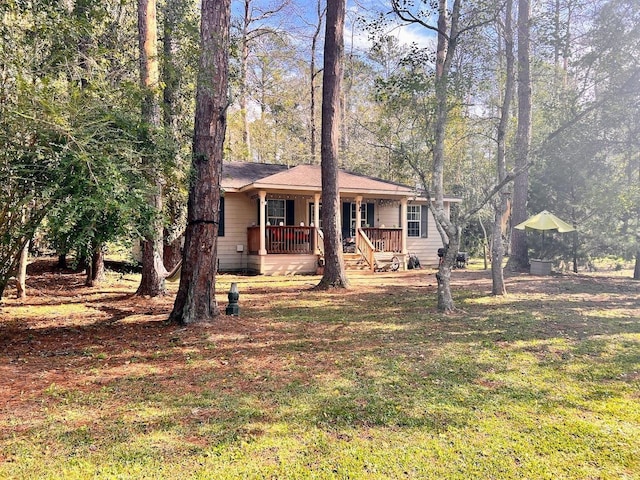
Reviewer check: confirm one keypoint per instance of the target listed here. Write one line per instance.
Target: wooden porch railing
(283, 239)
(384, 239)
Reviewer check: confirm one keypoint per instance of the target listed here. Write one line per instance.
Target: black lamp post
(233, 295)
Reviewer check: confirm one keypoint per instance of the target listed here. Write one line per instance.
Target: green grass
(372, 383)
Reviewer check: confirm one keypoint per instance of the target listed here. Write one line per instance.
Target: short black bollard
(233, 295)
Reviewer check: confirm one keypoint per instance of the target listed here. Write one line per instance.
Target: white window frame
(364, 221)
(316, 222)
(414, 216)
(275, 206)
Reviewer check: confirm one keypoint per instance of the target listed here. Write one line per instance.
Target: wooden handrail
(320, 241)
(366, 248)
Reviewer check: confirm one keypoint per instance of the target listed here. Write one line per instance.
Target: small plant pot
(540, 267)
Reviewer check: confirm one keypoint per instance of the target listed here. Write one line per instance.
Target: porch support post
(404, 223)
(262, 195)
(316, 216)
(316, 209)
(340, 213)
(358, 217)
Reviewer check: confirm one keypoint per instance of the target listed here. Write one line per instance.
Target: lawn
(368, 383)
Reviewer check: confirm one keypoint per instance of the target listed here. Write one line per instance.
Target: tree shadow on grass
(338, 362)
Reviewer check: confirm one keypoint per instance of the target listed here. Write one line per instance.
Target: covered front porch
(296, 246)
(299, 249)
(285, 232)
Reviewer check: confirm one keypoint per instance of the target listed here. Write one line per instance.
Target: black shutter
(371, 217)
(290, 212)
(423, 221)
(346, 219)
(221, 218)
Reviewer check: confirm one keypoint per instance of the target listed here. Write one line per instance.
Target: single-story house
(270, 219)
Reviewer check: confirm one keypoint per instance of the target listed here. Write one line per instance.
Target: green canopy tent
(545, 221)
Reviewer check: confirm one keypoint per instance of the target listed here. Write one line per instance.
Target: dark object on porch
(462, 258)
(413, 262)
(320, 266)
(349, 245)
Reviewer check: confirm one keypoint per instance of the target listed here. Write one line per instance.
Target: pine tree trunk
(173, 15)
(519, 259)
(21, 274)
(153, 271)
(244, 80)
(21, 264)
(152, 283)
(196, 300)
(10, 249)
(312, 84)
(334, 275)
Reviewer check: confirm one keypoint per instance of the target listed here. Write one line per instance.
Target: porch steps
(354, 261)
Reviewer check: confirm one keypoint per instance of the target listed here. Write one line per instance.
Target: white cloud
(406, 34)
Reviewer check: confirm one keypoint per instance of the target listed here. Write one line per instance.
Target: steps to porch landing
(355, 261)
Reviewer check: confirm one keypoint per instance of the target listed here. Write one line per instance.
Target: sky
(301, 14)
(406, 34)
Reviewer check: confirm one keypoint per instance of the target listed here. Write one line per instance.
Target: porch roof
(255, 176)
(236, 175)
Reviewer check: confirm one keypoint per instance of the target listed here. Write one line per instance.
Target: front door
(350, 217)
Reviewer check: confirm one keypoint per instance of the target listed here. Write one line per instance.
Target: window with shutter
(417, 217)
(221, 218)
(414, 213)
